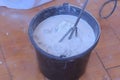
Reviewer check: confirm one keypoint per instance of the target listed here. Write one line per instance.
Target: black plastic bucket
(69, 68)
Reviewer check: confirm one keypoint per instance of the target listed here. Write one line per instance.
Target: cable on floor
(102, 7)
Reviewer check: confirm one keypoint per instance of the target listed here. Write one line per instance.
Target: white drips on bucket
(49, 32)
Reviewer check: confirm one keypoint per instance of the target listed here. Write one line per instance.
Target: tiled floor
(18, 58)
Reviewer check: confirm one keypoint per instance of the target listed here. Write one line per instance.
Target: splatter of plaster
(1, 62)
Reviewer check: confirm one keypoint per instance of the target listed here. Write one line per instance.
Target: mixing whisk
(74, 28)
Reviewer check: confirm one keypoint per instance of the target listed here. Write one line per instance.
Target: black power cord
(101, 9)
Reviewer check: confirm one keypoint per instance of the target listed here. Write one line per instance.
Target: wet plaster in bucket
(49, 32)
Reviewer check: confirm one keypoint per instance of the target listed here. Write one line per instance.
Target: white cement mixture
(50, 31)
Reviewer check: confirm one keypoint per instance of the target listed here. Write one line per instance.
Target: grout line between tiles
(115, 33)
(6, 63)
(113, 67)
(103, 64)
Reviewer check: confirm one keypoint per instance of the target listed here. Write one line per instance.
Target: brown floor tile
(110, 55)
(115, 73)
(95, 70)
(23, 64)
(20, 57)
(4, 75)
(115, 24)
(108, 36)
(108, 47)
